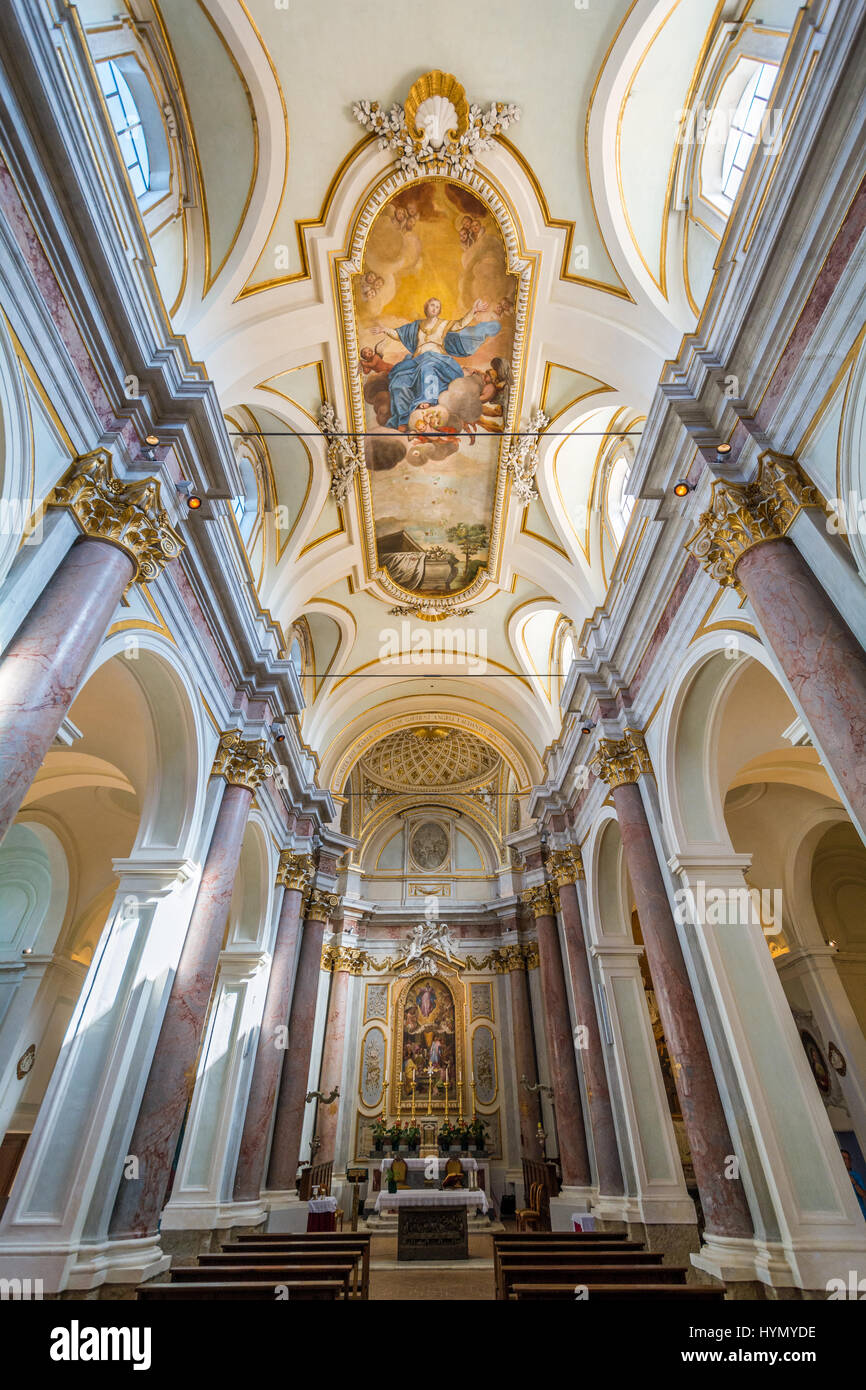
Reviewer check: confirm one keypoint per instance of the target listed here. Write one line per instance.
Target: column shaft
(269, 1053)
(524, 1061)
(289, 1120)
(48, 658)
(332, 1065)
(600, 1110)
(573, 1153)
(819, 654)
(726, 1211)
(172, 1072)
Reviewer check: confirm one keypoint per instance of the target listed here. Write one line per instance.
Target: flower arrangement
(478, 1130)
(448, 1135)
(396, 1134)
(380, 1131)
(412, 1135)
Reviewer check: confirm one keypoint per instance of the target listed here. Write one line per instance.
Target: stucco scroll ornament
(743, 515)
(127, 514)
(521, 459)
(437, 131)
(243, 762)
(619, 761)
(344, 453)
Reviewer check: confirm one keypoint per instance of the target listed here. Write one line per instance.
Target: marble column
(620, 762)
(567, 867)
(573, 1151)
(331, 1073)
(524, 1051)
(293, 873)
(289, 1118)
(742, 542)
(125, 535)
(172, 1074)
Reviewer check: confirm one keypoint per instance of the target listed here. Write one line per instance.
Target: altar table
(432, 1197)
(420, 1164)
(321, 1214)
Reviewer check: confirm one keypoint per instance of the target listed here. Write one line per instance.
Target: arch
(251, 905)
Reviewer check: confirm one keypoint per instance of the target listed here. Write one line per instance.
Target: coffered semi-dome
(432, 757)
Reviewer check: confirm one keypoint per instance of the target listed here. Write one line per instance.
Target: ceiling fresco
(434, 309)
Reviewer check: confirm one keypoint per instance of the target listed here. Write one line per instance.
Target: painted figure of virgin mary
(433, 344)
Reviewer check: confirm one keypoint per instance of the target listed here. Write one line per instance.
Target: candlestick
(429, 1090)
(384, 1097)
(399, 1097)
(413, 1097)
(446, 1093)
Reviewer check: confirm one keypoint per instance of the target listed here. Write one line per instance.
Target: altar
(432, 1225)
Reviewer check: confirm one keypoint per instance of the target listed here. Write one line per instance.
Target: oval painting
(372, 1067)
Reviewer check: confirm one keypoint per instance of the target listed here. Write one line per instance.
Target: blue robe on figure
(421, 380)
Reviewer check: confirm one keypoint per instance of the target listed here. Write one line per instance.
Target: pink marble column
(726, 1211)
(598, 1096)
(332, 1066)
(269, 1054)
(819, 654)
(573, 1153)
(289, 1119)
(47, 659)
(524, 1061)
(172, 1072)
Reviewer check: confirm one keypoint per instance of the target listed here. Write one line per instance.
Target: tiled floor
(434, 1281)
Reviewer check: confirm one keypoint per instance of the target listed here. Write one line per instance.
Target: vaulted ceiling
(302, 258)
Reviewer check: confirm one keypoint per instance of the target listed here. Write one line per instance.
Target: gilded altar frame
(451, 979)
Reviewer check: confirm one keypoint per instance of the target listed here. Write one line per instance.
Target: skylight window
(745, 129)
(620, 503)
(128, 128)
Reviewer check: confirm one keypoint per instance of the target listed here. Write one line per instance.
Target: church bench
(600, 1258)
(297, 1290)
(609, 1292)
(298, 1259)
(280, 1272)
(307, 1249)
(577, 1273)
(519, 1236)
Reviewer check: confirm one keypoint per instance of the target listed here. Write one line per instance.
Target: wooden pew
(302, 1290)
(564, 1251)
(583, 1274)
(559, 1235)
(309, 1250)
(280, 1272)
(607, 1292)
(310, 1240)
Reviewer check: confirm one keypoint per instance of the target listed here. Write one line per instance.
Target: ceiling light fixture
(151, 439)
(682, 487)
(184, 487)
(722, 450)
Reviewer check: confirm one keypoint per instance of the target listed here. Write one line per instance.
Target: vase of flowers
(479, 1131)
(465, 1137)
(412, 1136)
(397, 1135)
(380, 1131)
(446, 1136)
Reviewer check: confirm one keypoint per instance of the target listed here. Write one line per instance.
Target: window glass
(745, 128)
(127, 125)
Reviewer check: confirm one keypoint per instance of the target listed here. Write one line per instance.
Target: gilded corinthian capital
(294, 870)
(565, 865)
(243, 762)
(538, 899)
(621, 760)
(743, 515)
(125, 514)
(322, 905)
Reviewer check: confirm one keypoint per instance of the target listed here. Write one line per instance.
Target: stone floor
(435, 1280)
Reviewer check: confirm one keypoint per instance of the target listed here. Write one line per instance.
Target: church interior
(412, 902)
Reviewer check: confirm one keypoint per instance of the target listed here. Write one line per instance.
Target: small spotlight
(587, 726)
(151, 439)
(278, 732)
(193, 501)
(682, 487)
(28, 951)
(722, 450)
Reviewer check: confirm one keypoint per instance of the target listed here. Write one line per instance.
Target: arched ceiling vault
(314, 268)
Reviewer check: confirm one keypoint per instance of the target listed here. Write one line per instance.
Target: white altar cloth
(319, 1204)
(427, 1197)
(415, 1165)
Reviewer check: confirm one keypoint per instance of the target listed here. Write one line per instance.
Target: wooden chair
(399, 1172)
(531, 1216)
(454, 1175)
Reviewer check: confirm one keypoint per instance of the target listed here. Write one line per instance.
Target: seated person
(454, 1175)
